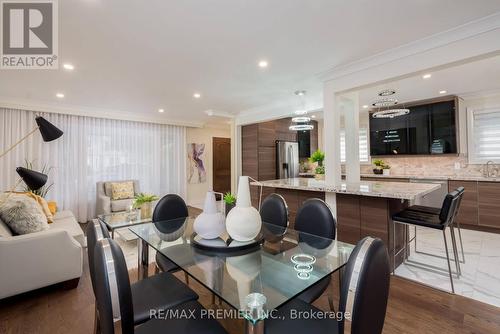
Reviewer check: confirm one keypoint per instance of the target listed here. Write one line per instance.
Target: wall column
(331, 131)
(350, 109)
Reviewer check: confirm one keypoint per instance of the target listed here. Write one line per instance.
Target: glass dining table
(253, 280)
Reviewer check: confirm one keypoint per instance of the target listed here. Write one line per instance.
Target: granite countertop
(443, 178)
(398, 190)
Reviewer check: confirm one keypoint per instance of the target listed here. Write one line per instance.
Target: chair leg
(455, 250)
(448, 258)
(393, 249)
(415, 237)
(461, 243)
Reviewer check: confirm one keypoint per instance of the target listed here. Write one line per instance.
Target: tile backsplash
(429, 166)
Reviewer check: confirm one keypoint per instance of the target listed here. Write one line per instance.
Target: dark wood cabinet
(489, 204)
(348, 218)
(468, 211)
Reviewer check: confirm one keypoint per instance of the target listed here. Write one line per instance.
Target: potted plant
(320, 173)
(229, 202)
(379, 166)
(386, 169)
(318, 157)
(144, 202)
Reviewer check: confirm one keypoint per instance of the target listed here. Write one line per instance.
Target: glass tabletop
(123, 219)
(259, 280)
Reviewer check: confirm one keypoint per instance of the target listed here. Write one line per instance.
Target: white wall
(196, 192)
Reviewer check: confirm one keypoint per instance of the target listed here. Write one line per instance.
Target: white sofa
(36, 260)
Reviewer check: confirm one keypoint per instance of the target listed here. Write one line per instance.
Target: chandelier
(387, 102)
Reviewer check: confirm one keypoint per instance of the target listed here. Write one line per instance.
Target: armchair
(104, 202)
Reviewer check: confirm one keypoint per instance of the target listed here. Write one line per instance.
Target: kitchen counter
(395, 190)
(441, 178)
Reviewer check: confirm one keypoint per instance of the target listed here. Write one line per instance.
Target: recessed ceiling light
(313, 116)
(426, 76)
(196, 95)
(69, 67)
(263, 64)
(161, 110)
(365, 106)
(442, 92)
(300, 92)
(60, 95)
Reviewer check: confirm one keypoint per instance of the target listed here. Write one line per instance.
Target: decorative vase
(377, 171)
(228, 208)
(210, 223)
(386, 172)
(146, 211)
(243, 222)
(319, 176)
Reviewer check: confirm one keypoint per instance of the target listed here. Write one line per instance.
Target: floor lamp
(48, 131)
(35, 180)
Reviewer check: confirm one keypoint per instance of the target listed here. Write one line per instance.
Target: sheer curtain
(92, 150)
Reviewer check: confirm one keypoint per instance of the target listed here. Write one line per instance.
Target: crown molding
(92, 112)
(462, 32)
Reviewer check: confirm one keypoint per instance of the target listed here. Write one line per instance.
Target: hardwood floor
(412, 308)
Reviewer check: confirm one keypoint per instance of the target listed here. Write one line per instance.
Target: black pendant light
(48, 130)
(33, 179)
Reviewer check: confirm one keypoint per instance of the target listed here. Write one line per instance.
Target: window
(363, 145)
(484, 135)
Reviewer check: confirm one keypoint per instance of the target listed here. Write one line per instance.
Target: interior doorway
(221, 148)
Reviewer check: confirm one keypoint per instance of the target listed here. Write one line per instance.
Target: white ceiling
(138, 56)
(471, 80)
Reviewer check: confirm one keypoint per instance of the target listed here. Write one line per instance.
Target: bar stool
(435, 211)
(438, 221)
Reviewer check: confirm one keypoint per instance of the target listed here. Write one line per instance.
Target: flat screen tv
(427, 129)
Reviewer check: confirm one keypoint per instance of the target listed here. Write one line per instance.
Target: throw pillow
(52, 207)
(22, 214)
(122, 190)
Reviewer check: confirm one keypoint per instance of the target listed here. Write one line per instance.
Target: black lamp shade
(34, 180)
(48, 130)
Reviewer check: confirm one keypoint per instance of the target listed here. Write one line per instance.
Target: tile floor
(480, 277)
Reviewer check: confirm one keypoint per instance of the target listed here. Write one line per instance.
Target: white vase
(386, 172)
(243, 222)
(210, 223)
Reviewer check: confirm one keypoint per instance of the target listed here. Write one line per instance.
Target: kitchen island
(363, 208)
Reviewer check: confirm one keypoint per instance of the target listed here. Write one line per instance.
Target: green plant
(43, 191)
(320, 170)
(386, 166)
(318, 157)
(379, 163)
(229, 198)
(142, 198)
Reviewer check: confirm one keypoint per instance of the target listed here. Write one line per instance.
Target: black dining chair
(274, 210)
(315, 217)
(115, 301)
(159, 292)
(169, 207)
(437, 221)
(363, 298)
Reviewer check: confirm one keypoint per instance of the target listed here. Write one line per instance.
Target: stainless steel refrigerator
(287, 159)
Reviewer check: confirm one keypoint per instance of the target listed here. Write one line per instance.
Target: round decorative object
(303, 259)
(302, 119)
(243, 222)
(385, 102)
(303, 276)
(301, 127)
(387, 92)
(390, 113)
(227, 246)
